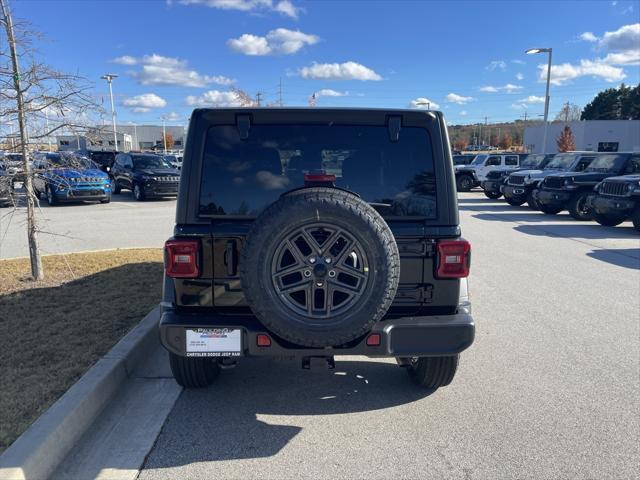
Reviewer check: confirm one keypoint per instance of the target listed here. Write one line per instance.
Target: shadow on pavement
(479, 200)
(623, 257)
(579, 230)
(220, 423)
(521, 215)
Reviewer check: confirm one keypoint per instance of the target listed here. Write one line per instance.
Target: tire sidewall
(344, 326)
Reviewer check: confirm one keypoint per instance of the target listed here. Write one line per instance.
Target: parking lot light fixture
(533, 51)
(109, 78)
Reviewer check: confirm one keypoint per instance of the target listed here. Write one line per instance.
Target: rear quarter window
(240, 177)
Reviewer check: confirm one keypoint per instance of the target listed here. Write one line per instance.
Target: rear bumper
(399, 337)
(612, 206)
(548, 197)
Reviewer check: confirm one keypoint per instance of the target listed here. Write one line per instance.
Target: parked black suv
(313, 233)
(617, 199)
(146, 175)
(522, 186)
(496, 178)
(103, 158)
(573, 190)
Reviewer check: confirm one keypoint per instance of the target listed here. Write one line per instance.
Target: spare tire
(319, 267)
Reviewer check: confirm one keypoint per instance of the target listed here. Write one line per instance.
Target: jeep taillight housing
(454, 259)
(181, 258)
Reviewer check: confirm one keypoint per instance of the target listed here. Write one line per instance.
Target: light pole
(164, 135)
(109, 78)
(135, 135)
(533, 51)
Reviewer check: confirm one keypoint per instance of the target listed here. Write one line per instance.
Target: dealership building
(590, 135)
(129, 137)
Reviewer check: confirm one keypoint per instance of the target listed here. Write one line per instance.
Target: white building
(98, 140)
(591, 135)
(148, 136)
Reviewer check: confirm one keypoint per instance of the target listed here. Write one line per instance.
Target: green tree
(621, 103)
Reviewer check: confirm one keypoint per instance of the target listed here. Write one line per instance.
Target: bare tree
(570, 112)
(43, 101)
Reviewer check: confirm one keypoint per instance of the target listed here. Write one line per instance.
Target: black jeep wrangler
(573, 191)
(618, 199)
(312, 233)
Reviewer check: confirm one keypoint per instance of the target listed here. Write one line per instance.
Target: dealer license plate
(213, 342)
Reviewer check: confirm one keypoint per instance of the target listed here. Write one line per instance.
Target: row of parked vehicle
(94, 176)
(604, 187)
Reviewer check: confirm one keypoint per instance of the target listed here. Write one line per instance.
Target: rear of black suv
(313, 233)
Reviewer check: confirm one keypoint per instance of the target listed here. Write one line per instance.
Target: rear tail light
(454, 259)
(181, 258)
(263, 340)
(373, 340)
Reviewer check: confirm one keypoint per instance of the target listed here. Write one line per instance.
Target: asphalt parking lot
(72, 227)
(550, 389)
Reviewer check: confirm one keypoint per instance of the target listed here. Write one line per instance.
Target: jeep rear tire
(578, 207)
(194, 372)
(549, 209)
(432, 372)
(608, 220)
(514, 201)
(635, 218)
(531, 201)
(319, 267)
(492, 195)
(464, 183)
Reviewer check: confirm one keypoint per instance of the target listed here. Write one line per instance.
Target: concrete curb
(38, 451)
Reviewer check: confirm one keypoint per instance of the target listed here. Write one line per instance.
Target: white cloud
(519, 76)
(630, 57)
(463, 113)
(339, 71)
(588, 37)
(172, 117)
(145, 102)
(625, 38)
(277, 42)
(214, 98)
(519, 62)
(565, 72)
(125, 60)
(532, 99)
(160, 70)
(423, 103)
(508, 88)
(285, 7)
(459, 99)
(328, 92)
(501, 64)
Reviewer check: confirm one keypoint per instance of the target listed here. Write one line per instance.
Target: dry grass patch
(52, 331)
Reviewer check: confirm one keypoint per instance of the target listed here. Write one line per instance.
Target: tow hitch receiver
(330, 362)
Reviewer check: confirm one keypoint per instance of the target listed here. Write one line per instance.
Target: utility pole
(32, 228)
(109, 78)
(259, 99)
(486, 129)
(524, 127)
(280, 92)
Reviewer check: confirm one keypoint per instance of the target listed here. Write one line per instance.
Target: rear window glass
(242, 177)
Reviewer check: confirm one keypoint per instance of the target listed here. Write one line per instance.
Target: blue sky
(466, 58)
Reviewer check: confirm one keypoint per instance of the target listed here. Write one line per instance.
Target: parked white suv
(469, 176)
